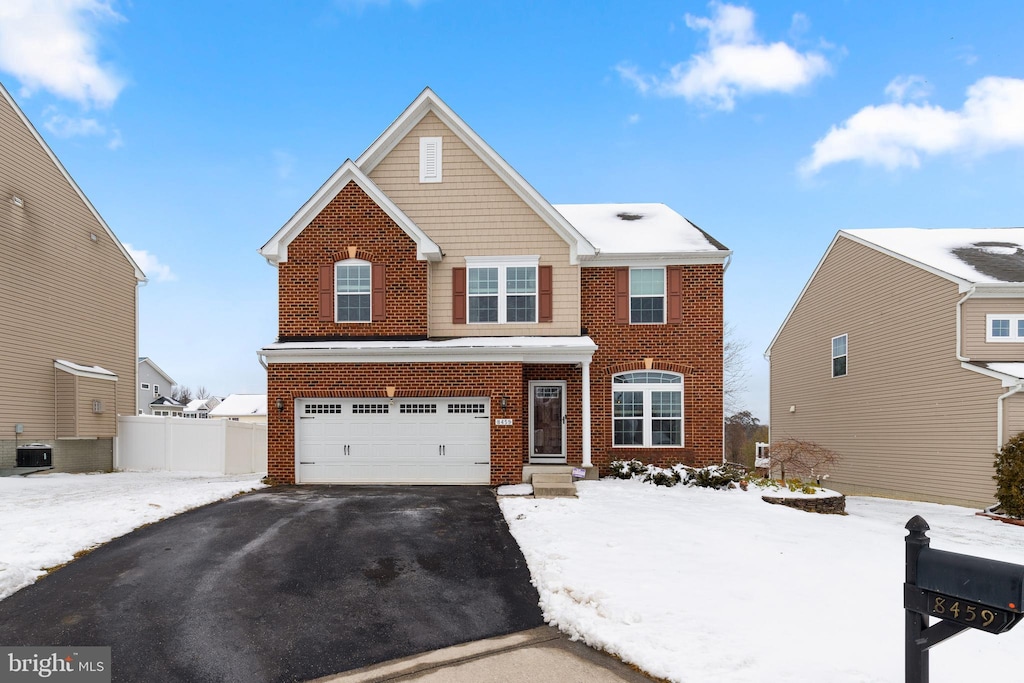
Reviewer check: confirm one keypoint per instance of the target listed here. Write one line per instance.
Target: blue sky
(198, 128)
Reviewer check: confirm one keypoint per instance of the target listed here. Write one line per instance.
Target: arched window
(352, 291)
(647, 409)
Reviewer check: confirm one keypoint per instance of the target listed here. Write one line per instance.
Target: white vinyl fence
(181, 445)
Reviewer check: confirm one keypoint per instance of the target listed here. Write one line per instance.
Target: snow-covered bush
(1010, 477)
(714, 476)
(627, 469)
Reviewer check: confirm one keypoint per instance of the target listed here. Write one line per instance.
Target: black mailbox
(978, 579)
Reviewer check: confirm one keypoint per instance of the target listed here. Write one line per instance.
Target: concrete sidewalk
(539, 655)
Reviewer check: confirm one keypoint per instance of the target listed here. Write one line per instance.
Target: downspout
(725, 267)
(263, 362)
(959, 325)
(999, 412)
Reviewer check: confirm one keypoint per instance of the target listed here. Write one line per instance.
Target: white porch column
(586, 413)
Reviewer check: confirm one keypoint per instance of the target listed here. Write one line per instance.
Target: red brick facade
(352, 220)
(289, 381)
(353, 223)
(692, 347)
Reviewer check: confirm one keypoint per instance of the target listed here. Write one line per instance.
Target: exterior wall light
(280, 405)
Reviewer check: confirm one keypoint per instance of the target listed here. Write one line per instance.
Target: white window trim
(369, 292)
(502, 263)
(427, 145)
(832, 362)
(1014, 322)
(664, 295)
(145, 386)
(648, 417)
(156, 389)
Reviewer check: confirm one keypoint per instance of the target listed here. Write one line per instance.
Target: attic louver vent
(630, 216)
(430, 160)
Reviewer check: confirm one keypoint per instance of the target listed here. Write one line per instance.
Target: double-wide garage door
(399, 441)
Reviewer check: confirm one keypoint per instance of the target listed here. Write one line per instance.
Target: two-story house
(904, 353)
(441, 322)
(68, 302)
(152, 383)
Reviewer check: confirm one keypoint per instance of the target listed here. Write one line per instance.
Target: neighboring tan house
(199, 408)
(242, 408)
(904, 353)
(441, 322)
(152, 383)
(68, 306)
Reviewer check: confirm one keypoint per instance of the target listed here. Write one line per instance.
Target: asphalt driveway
(288, 584)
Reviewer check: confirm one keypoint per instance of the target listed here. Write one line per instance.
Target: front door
(547, 422)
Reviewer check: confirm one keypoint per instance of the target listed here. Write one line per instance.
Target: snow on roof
(86, 370)
(1011, 369)
(637, 229)
(456, 343)
(237, 405)
(979, 255)
(198, 403)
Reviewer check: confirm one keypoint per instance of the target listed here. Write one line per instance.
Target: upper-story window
(646, 295)
(430, 160)
(647, 409)
(145, 386)
(156, 389)
(1004, 328)
(839, 355)
(352, 291)
(502, 290)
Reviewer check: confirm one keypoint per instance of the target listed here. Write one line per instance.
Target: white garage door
(405, 441)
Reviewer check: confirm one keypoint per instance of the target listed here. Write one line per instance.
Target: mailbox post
(963, 591)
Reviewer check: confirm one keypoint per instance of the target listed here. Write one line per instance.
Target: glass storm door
(547, 422)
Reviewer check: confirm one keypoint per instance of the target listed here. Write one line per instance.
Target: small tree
(182, 394)
(202, 392)
(1010, 477)
(802, 458)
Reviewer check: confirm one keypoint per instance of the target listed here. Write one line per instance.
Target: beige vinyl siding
(975, 330)
(907, 420)
(1013, 416)
(473, 212)
(92, 424)
(62, 296)
(67, 394)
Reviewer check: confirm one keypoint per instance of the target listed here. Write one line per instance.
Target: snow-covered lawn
(701, 585)
(46, 519)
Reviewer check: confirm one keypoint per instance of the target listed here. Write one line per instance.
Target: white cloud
(897, 134)
(51, 45)
(150, 265)
(66, 127)
(908, 88)
(633, 119)
(737, 62)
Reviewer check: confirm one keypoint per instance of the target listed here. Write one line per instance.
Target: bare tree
(182, 394)
(734, 369)
(802, 458)
(202, 392)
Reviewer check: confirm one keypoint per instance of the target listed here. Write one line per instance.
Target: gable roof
(428, 102)
(642, 232)
(971, 257)
(166, 401)
(149, 361)
(276, 249)
(139, 275)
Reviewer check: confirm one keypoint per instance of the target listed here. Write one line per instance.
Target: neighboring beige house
(242, 408)
(199, 408)
(68, 304)
(905, 354)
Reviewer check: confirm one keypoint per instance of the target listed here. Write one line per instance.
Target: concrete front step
(552, 478)
(550, 490)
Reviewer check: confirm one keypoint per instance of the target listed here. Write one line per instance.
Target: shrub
(803, 458)
(627, 469)
(1010, 477)
(715, 476)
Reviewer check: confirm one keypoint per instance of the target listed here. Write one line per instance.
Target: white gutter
(262, 360)
(959, 326)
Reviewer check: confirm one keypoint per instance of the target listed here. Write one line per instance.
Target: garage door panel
(420, 441)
